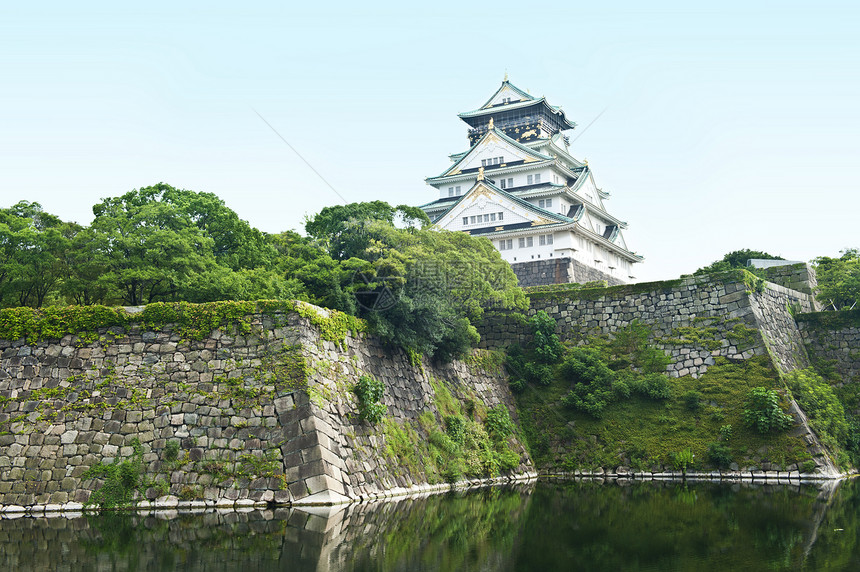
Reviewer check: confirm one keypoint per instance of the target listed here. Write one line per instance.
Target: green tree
(337, 228)
(150, 247)
(735, 259)
(419, 289)
(235, 243)
(32, 246)
(85, 262)
(839, 279)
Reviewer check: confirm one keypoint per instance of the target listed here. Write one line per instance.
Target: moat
(583, 525)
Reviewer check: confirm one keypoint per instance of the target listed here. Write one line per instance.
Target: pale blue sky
(727, 126)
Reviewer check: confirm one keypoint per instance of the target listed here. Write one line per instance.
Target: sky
(714, 128)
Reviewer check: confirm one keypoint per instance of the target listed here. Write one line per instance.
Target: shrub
(369, 392)
(653, 385)
(621, 388)
(508, 460)
(693, 400)
(584, 366)
(591, 399)
(823, 409)
(726, 432)
(684, 459)
(455, 426)
(763, 413)
(523, 371)
(539, 374)
(498, 422)
(518, 385)
(807, 466)
(547, 347)
(719, 454)
(121, 480)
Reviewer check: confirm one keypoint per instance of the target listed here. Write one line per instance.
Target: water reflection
(550, 526)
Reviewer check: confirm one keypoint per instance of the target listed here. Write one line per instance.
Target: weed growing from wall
(122, 479)
(763, 412)
(369, 392)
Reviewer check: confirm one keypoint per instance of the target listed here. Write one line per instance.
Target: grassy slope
(643, 434)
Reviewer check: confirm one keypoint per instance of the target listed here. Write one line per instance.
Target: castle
(519, 186)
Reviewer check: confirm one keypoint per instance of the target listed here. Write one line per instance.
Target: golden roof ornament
(480, 173)
(490, 126)
(506, 75)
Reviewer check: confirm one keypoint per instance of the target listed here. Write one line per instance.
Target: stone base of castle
(559, 271)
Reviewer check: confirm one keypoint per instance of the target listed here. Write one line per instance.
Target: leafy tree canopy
(329, 227)
(839, 279)
(735, 259)
(421, 290)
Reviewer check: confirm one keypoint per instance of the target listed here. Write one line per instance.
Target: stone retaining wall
(265, 416)
(693, 319)
(833, 339)
(559, 271)
(798, 277)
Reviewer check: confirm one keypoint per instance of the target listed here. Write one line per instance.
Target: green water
(548, 526)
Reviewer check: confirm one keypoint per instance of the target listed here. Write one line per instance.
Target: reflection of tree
(665, 527)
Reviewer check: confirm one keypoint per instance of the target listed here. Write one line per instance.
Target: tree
(150, 247)
(32, 246)
(335, 227)
(235, 243)
(735, 259)
(85, 262)
(419, 289)
(839, 279)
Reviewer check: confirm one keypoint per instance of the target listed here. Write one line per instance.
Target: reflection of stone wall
(234, 403)
(387, 535)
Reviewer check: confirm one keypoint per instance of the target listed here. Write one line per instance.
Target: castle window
(503, 184)
(501, 216)
(549, 239)
(472, 220)
(529, 180)
(492, 217)
(529, 241)
(465, 220)
(510, 182)
(450, 191)
(542, 240)
(486, 218)
(522, 242)
(457, 190)
(537, 178)
(545, 203)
